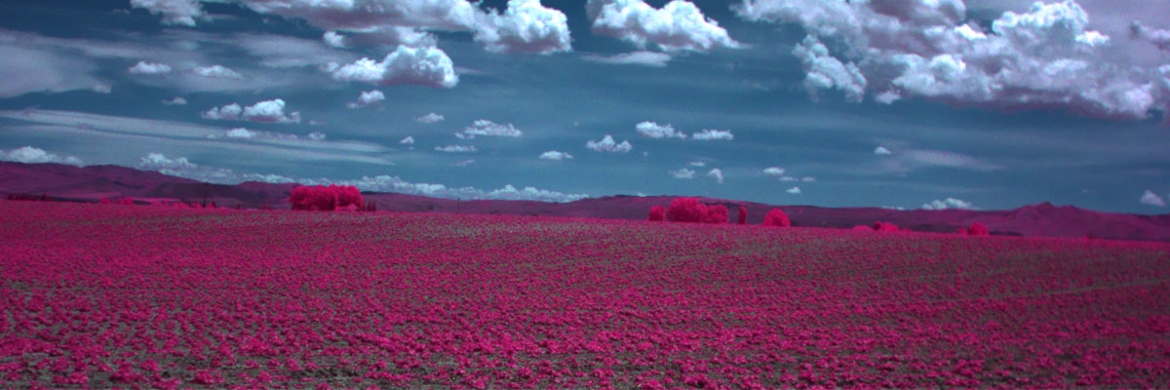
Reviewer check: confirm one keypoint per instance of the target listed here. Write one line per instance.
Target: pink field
(135, 296)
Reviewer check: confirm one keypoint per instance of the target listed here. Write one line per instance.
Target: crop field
(151, 297)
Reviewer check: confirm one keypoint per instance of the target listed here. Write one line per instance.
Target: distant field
(107, 295)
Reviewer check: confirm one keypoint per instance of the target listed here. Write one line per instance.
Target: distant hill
(92, 183)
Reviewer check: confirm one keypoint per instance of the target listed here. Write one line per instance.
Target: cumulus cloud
(881, 150)
(270, 111)
(240, 133)
(948, 203)
(555, 156)
(679, 25)
(317, 136)
(486, 128)
(716, 174)
(1158, 37)
(644, 58)
(793, 190)
(774, 171)
(713, 135)
(429, 118)
(682, 173)
(531, 193)
(607, 144)
(409, 140)
(149, 68)
(32, 155)
(217, 71)
(1047, 57)
(176, 12)
(426, 66)
(456, 148)
(823, 71)
(1152, 199)
(228, 112)
(176, 101)
(698, 164)
(158, 162)
(654, 130)
(367, 98)
(525, 27)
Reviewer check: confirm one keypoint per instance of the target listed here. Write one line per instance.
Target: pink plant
(882, 226)
(742, 215)
(978, 229)
(657, 213)
(325, 198)
(716, 214)
(686, 210)
(776, 217)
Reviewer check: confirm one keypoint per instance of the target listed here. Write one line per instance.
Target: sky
(989, 105)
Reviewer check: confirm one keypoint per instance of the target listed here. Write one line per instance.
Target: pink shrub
(882, 226)
(658, 213)
(686, 210)
(742, 215)
(322, 198)
(776, 217)
(716, 214)
(978, 229)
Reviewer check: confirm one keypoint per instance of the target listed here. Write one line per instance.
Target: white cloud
(713, 135)
(486, 128)
(1158, 37)
(881, 150)
(176, 101)
(333, 39)
(158, 162)
(525, 27)
(456, 148)
(682, 173)
(317, 136)
(698, 164)
(555, 156)
(824, 71)
(808, 179)
(228, 112)
(774, 171)
(178, 12)
(240, 133)
(607, 144)
(464, 163)
(679, 25)
(644, 58)
(409, 140)
(426, 66)
(103, 88)
(793, 190)
(270, 111)
(788, 178)
(367, 98)
(149, 68)
(429, 118)
(949, 203)
(531, 193)
(717, 174)
(1047, 57)
(654, 130)
(32, 155)
(1152, 199)
(216, 71)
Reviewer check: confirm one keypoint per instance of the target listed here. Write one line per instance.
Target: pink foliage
(742, 215)
(298, 300)
(686, 210)
(657, 213)
(978, 229)
(882, 226)
(776, 217)
(325, 198)
(716, 214)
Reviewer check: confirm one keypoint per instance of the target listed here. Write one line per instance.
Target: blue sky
(922, 103)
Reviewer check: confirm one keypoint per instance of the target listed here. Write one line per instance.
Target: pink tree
(978, 229)
(776, 217)
(885, 227)
(657, 213)
(324, 198)
(686, 210)
(742, 215)
(716, 214)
